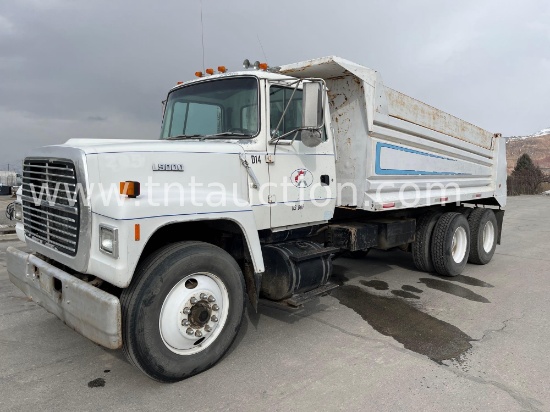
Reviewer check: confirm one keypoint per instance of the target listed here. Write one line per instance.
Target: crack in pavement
(504, 326)
(525, 402)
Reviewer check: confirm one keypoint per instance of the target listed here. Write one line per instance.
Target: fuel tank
(293, 267)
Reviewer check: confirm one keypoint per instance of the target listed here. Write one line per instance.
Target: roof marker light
(178, 83)
(198, 74)
(263, 66)
(222, 69)
(209, 71)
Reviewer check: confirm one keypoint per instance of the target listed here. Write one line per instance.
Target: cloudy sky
(99, 68)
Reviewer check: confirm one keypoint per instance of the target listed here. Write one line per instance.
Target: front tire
(182, 311)
(450, 244)
(483, 235)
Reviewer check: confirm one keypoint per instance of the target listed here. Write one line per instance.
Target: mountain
(536, 145)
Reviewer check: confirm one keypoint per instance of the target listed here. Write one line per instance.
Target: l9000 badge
(167, 167)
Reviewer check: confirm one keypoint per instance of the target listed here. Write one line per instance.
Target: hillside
(537, 146)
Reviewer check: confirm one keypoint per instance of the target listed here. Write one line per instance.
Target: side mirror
(312, 113)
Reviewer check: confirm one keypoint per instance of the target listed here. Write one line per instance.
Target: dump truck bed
(399, 152)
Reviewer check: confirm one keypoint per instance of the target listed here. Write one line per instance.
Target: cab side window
(278, 99)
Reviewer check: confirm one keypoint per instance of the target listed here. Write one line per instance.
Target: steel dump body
(399, 152)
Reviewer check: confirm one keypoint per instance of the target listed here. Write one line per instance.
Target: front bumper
(90, 311)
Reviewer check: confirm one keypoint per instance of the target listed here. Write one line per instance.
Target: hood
(97, 146)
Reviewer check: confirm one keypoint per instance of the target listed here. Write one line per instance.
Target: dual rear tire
(445, 242)
(484, 229)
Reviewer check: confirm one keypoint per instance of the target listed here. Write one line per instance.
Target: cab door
(302, 179)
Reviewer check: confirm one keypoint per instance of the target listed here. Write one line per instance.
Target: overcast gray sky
(99, 68)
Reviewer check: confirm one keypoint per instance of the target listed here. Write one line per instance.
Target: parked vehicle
(260, 178)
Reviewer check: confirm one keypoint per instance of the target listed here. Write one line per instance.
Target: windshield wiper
(183, 136)
(207, 136)
(222, 134)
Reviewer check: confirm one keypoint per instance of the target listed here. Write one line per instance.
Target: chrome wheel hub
(459, 244)
(488, 236)
(193, 313)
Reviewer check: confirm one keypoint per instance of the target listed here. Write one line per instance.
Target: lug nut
(189, 331)
(187, 311)
(193, 300)
(214, 318)
(211, 298)
(215, 307)
(198, 334)
(203, 296)
(208, 328)
(184, 322)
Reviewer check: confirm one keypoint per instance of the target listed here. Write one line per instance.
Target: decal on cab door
(301, 178)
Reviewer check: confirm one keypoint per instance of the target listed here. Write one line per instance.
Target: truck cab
(246, 108)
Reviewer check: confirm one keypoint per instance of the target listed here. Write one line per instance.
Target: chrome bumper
(90, 311)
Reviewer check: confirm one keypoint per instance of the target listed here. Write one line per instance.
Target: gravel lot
(390, 338)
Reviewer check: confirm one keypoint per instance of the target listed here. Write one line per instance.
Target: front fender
(119, 271)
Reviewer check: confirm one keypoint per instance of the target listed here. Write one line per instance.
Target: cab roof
(261, 74)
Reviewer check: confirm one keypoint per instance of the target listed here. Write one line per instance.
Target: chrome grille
(51, 208)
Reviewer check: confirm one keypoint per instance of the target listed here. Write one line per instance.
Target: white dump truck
(259, 180)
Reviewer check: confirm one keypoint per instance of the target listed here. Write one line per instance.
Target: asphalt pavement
(389, 339)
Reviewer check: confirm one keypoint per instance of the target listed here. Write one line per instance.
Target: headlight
(18, 212)
(108, 240)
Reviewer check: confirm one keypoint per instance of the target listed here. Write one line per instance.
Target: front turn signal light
(130, 189)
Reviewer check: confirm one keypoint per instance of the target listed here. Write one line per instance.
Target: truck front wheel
(182, 311)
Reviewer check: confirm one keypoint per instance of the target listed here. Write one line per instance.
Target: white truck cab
(259, 180)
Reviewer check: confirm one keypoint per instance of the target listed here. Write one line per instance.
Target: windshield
(225, 107)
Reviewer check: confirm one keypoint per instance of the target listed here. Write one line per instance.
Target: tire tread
(442, 261)
(474, 220)
(421, 247)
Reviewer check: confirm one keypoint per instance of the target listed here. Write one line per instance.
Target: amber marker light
(263, 66)
(222, 69)
(198, 74)
(178, 83)
(137, 232)
(130, 189)
(209, 71)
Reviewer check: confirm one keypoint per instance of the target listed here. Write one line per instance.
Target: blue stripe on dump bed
(380, 171)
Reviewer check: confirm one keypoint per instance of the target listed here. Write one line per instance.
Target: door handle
(325, 180)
